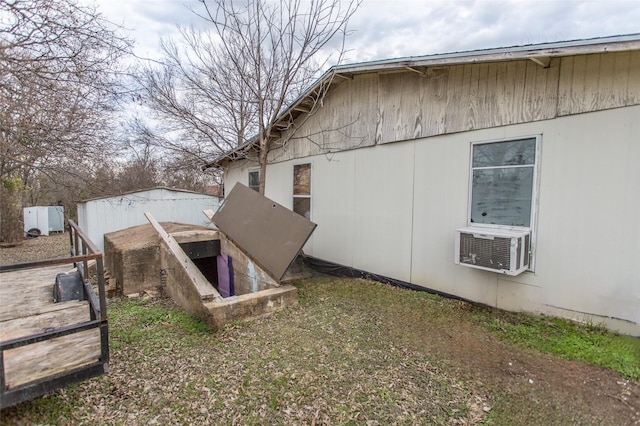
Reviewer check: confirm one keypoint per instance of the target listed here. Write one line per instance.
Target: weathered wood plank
(606, 91)
(530, 108)
(589, 83)
(401, 105)
(401, 110)
(337, 125)
(542, 96)
(20, 280)
(507, 93)
(435, 102)
(18, 310)
(520, 82)
(632, 89)
(44, 359)
(18, 301)
(567, 66)
(476, 100)
(501, 91)
(29, 291)
(69, 313)
(491, 98)
(26, 307)
(623, 63)
(455, 101)
(599, 82)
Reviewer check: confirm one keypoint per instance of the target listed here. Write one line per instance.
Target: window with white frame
(302, 189)
(254, 180)
(503, 183)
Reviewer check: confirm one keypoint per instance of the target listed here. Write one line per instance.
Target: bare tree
(140, 172)
(197, 100)
(179, 159)
(60, 79)
(225, 86)
(179, 172)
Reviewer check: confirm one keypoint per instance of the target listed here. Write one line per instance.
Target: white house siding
(103, 215)
(588, 236)
(390, 154)
(392, 210)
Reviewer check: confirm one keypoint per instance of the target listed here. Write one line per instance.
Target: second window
(302, 189)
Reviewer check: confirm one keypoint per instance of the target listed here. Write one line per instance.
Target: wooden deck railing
(83, 251)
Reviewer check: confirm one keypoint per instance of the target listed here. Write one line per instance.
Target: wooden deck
(27, 308)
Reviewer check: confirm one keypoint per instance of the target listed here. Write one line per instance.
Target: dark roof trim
(539, 53)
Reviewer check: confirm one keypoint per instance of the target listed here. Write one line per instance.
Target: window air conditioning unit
(497, 250)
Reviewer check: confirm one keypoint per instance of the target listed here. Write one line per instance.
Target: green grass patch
(138, 321)
(141, 313)
(570, 340)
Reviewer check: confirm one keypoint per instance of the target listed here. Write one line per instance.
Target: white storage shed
(46, 219)
(99, 216)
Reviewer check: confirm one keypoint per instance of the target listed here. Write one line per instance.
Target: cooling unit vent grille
(488, 253)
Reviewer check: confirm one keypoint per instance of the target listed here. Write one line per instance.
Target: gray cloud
(384, 29)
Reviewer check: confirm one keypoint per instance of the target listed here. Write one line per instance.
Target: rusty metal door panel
(268, 232)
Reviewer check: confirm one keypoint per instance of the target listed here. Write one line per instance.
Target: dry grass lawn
(351, 352)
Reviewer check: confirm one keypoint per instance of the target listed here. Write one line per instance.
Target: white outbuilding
(43, 220)
(99, 216)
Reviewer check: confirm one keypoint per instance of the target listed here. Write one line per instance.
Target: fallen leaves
(363, 355)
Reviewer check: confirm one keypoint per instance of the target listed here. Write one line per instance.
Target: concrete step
(250, 305)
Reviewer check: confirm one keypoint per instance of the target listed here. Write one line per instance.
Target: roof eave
(539, 53)
(565, 48)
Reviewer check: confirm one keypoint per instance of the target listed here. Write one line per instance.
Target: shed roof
(539, 53)
(159, 188)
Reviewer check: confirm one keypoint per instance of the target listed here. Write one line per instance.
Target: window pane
(254, 180)
(302, 206)
(512, 153)
(502, 196)
(302, 179)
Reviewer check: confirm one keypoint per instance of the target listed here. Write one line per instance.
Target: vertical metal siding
(101, 216)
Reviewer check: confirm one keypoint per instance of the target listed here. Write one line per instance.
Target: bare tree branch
(232, 82)
(60, 83)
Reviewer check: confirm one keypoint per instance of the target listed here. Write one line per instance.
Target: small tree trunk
(10, 212)
(264, 150)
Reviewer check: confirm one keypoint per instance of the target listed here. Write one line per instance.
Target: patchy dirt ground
(352, 352)
(42, 247)
(516, 380)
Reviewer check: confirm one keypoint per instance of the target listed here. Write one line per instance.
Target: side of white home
(542, 140)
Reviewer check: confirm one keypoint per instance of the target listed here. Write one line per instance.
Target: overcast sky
(384, 29)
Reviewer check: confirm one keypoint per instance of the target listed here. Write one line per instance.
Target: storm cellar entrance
(234, 271)
(226, 268)
(204, 255)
